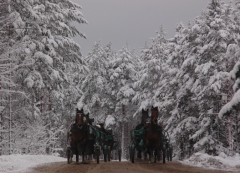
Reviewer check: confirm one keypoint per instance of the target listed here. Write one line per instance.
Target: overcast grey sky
(133, 21)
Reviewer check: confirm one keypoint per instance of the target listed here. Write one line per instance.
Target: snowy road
(17, 163)
(121, 167)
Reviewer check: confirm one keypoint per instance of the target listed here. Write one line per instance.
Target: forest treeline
(193, 78)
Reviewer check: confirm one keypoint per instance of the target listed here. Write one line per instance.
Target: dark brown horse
(79, 136)
(109, 142)
(153, 136)
(144, 116)
(106, 139)
(154, 115)
(153, 140)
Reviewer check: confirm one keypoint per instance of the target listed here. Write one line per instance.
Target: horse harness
(79, 127)
(156, 127)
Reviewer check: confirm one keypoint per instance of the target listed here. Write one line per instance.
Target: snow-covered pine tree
(3, 66)
(204, 70)
(111, 101)
(149, 85)
(230, 111)
(177, 100)
(8, 63)
(232, 106)
(121, 75)
(94, 98)
(181, 122)
(44, 30)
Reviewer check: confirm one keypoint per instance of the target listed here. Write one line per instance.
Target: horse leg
(155, 156)
(158, 154)
(77, 156)
(139, 154)
(161, 154)
(84, 145)
(145, 155)
(83, 159)
(146, 150)
(83, 152)
(150, 155)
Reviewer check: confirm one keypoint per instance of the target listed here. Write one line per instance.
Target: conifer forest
(193, 79)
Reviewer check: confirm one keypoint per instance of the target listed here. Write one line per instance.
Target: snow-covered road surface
(17, 163)
(52, 164)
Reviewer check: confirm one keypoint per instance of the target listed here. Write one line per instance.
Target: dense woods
(193, 79)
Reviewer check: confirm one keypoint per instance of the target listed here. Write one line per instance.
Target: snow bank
(22, 163)
(221, 162)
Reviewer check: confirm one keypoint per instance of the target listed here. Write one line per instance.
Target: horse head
(154, 116)
(79, 118)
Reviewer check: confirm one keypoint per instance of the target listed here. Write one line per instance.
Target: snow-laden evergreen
(233, 54)
(122, 76)
(40, 47)
(150, 82)
(202, 77)
(94, 99)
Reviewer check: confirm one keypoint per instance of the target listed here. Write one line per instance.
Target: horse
(109, 142)
(154, 115)
(79, 136)
(144, 116)
(153, 140)
(137, 138)
(105, 139)
(153, 136)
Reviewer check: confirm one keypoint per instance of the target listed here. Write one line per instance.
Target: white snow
(234, 101)
(221, 162)
(109, 121)
(17, 163)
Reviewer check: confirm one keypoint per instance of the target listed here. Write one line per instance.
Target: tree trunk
(229, 126)
(1, 119)
(42, 101)
(122, 134)
(237, 133)
(10, 97)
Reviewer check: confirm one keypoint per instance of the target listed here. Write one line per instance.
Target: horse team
(148, 138)
(84, 139)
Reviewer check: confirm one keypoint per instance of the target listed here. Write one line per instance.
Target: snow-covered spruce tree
(230, 111)
(4, 65)
(111, 101)
(10, 45)
(203, 71)
(94, 99)
(150, 85)
(44, 30)
(121, 75)
(182, 114)
(174, 112)
(232, 106)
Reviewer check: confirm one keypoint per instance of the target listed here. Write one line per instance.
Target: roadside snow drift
(221, 162)
(22, 163)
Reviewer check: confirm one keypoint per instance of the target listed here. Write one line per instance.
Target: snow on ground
(221, 162)
(17, 163)
(23, 163)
